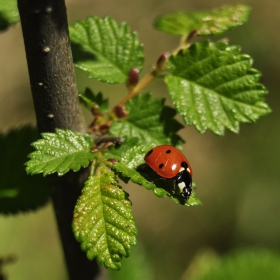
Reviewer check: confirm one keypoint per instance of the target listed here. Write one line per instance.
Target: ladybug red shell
(166, 161)
(169, 162)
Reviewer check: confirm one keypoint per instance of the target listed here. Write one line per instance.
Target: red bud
(192, 34)
(112, 160)
(95, 110)
(162, 61)
(133, 78)
(120, 112)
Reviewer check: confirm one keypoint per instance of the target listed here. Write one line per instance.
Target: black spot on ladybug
(161, 165)
(184, 164)
(149, 153)
(168, 151)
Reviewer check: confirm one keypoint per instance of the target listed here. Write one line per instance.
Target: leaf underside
(103, 221)
(206, 23)
(213, 86)
(105, 50)
(60, 152)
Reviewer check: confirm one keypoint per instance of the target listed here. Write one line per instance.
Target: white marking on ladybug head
(181, 185)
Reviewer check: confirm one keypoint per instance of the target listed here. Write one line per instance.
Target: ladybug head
(184, 181)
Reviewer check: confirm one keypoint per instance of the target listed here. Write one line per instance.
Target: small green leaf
(8, 13)
(212, 22)
(105, 50)
(60, 152)
(129, 156)
(88, 98)
(133, 175)
(19, 191)
(103, 221)
(214, 86)
(150, 121)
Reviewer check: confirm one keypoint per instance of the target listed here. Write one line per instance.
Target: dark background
(237, 175)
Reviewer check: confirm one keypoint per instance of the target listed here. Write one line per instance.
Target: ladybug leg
(157, 179)
(173, 190)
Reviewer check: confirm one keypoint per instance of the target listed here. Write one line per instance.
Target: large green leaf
(213, 86)
(211, 22)
(8, 13)
(19, 191)
(105, 50)
(60, 152)
(150, 121)
(103, 221)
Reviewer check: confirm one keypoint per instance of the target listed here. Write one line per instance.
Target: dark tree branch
(52, 80)
(50, 64)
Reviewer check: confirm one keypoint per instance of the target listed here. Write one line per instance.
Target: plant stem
(52, 80)
(142, 84)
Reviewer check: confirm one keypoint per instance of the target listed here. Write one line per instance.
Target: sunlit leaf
(213, 86)
(60, 152)
(106, 50)
(211, 22)
(103, 221)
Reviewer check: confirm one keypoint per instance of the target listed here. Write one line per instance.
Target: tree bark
(50, 64)
(53, 86)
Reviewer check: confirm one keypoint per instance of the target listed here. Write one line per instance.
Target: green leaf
(103, 221)
(214, 86)
(245, 264)
(8, 13)
(133, 175)
(60, 152)
(105, 50)
(150, 121)
(130, 164)
(88, 98)
(211, 22)
(19, 191)
(129, 156)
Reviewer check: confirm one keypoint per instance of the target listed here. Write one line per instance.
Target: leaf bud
(161, 62)
(133, 78)
(192, 34)
(120, 112)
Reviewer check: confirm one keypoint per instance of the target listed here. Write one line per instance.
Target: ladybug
(168, 162)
